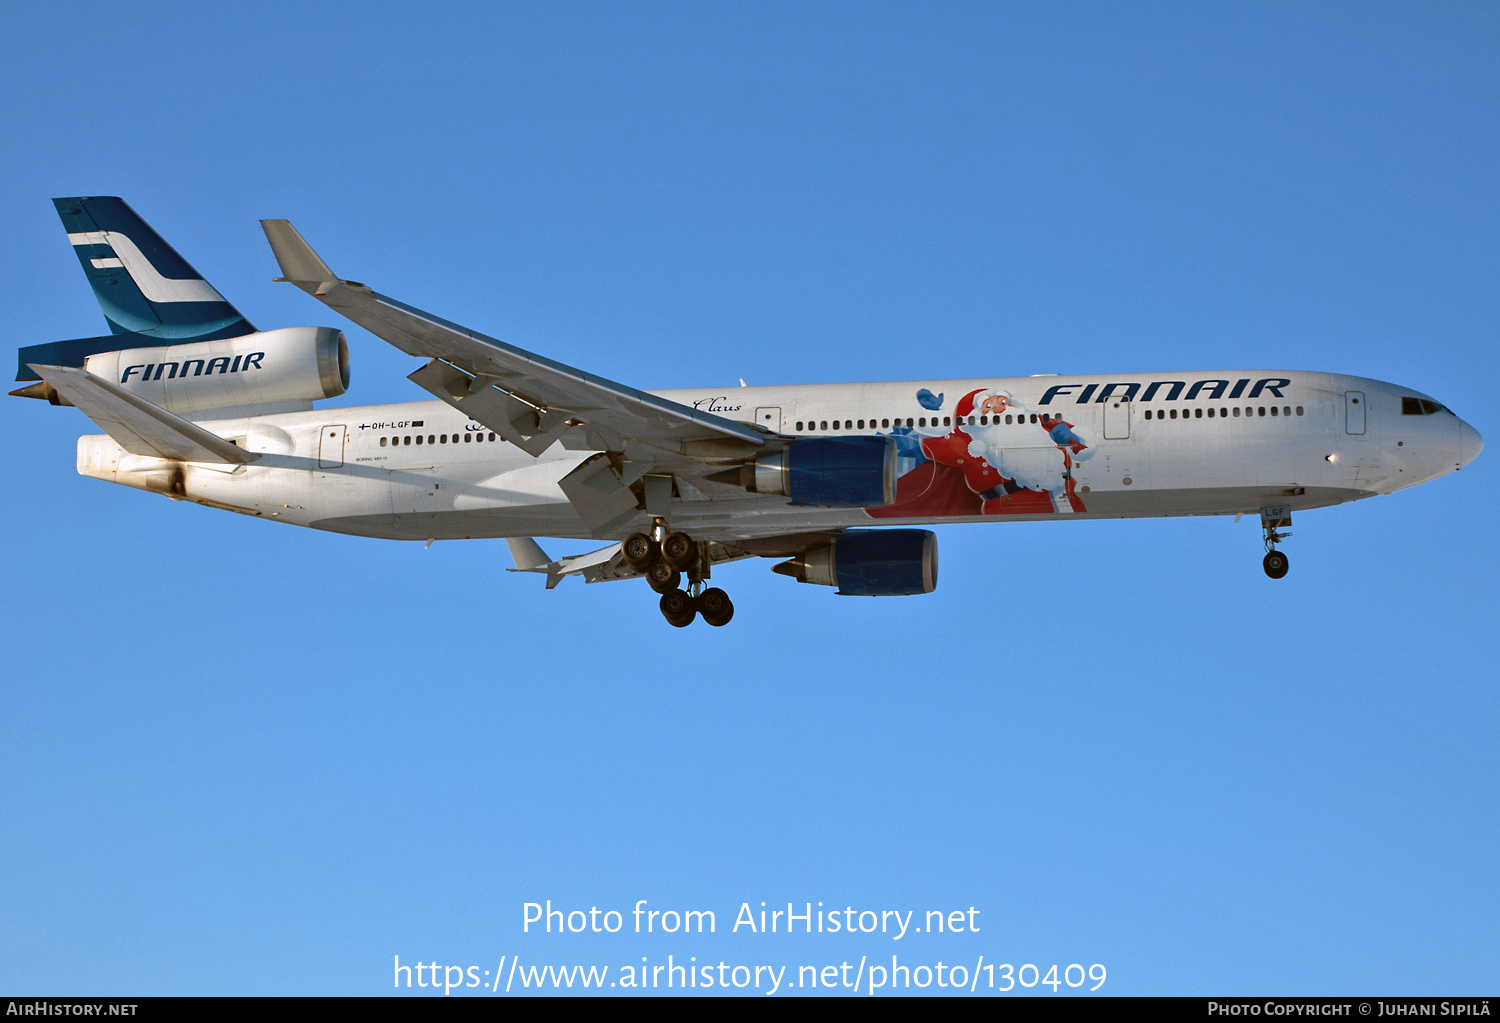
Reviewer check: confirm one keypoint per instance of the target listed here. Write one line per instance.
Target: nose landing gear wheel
(678, 608)
(715, 606)
(1275, 564)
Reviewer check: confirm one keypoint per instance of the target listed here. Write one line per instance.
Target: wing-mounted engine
(870, 563)
(825, 471)
(275, 369)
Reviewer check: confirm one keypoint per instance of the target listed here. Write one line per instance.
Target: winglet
(527, 553)
(300, 265)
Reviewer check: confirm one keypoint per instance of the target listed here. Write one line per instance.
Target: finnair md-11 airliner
(198, 405)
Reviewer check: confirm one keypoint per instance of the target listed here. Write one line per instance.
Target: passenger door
(331, 447)
(1354, 413)
(1116, 419)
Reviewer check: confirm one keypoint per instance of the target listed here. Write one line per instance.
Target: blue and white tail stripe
(142, 284)
(153, 285)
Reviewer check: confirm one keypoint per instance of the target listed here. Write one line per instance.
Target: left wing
(527, 398)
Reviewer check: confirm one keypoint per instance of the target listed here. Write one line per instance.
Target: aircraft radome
(198, 405)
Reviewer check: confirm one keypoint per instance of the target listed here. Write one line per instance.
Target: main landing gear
(1272, 520)
(664, 557)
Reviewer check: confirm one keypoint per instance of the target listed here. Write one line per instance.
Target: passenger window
(859, 423)
(908, 422)
(419, 438)
(492, 437)
(922, 421)
(1262, 411)
(1299, 410)
(824, 425)
(1173, 413)
(382, 442)
(947, 421)
(468, 438)
(1286, 411)
(445, 437)
(885, 424)
(1210, 413)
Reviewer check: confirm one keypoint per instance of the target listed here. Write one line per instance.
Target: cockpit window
(1420, 407)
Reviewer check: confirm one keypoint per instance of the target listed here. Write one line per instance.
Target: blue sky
(242, 758)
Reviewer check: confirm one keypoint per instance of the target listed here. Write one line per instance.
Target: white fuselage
(1227, 442)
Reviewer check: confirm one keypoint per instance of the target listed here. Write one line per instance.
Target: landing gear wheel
(1275, 564)
(662, 577)
(678, 608)
(678, 549)
(639, 550)
(715, 606)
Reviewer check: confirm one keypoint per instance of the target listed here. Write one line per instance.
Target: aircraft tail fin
(142, 284)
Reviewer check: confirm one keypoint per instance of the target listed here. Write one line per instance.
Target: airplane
(198, 405)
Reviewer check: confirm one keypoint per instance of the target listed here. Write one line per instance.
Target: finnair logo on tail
(153, 285)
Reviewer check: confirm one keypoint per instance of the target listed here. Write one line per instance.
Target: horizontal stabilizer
(138, 426)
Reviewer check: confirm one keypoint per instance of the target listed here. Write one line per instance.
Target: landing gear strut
(1272, 520)
(664, 558)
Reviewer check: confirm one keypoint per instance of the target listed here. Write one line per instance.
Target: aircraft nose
(1469, 444)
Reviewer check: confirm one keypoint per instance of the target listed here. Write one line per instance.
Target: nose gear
(1272, 520)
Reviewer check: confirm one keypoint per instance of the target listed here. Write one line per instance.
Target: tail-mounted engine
(294, 364)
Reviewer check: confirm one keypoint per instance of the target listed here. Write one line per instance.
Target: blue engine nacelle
(870, 563)
(829, 471)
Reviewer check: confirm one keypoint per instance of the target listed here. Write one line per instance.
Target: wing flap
(531, 429)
